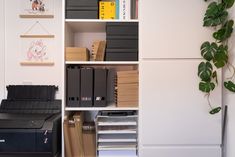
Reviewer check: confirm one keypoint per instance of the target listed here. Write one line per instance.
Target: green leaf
(205, 71)
(225, 32)
(228, 3)
(221, 56)
(215, 14)
(214, 76)
(208, 50)
(215, 110)
(230, 86)
(206, 86)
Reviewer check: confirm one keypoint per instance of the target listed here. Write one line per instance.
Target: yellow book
(107, 10)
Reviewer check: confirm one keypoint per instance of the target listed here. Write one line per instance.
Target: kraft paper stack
(127, 88)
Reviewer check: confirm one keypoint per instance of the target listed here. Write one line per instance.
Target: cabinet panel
(173, 110)
(181, 152)
(2, 73)
(172, 29)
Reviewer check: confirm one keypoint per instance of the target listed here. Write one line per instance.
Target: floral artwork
(37, 51)
(36, 8)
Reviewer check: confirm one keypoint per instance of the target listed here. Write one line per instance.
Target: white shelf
(102, 62)
(116, 123)
(117, 132)
(99, 20)
(99, 108)
(117, 140)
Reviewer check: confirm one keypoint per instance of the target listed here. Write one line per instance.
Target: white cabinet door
(172, 28)
(173, 111)
(204, 151)
(2, 23)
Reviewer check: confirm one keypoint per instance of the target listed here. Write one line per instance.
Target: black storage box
(82, 9)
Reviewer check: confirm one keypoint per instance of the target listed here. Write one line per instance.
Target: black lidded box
(122, 41)
(82, 9)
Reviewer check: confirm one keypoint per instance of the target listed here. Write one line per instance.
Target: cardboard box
(76, 54)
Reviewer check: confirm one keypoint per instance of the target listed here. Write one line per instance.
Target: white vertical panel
(173, 110)
(172, 28)
(2, 32)
(181, 151)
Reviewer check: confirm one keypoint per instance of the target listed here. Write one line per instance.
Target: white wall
(15, 26)
(229, 99)
(2, 23)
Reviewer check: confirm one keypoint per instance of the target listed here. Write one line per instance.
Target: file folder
(111, 85)
(86, 87)
(100, 88)
(73, 86)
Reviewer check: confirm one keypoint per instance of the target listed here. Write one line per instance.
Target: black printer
(30, 122)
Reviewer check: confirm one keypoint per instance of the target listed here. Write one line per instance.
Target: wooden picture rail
(37, 36)
(36, 16)
(31, 63)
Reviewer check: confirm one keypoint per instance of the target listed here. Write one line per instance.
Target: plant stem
(208, 100)
(233, 72)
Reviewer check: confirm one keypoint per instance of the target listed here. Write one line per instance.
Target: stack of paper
(127, 88)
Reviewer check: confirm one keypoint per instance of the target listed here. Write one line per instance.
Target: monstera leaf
(215, 14)
(221, 56)
(228, 3)
(225, 32)
(205, 71)
(206, 86)
(230, 86)
(208, 50)
(215, 110)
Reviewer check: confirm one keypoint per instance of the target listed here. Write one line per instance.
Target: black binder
(111, 80)
(100, 88)
(86, 87)
(73, 86)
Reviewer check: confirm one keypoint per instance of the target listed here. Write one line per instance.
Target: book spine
(125, 9)
(117, 9)
(107, 10)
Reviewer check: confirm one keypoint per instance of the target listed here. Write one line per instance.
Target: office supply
(31, 116)
(98, 50)
(127, 88)
(111, 82)
(100, 87)
(76, 54)
(73, 98)
(87, 82)
(82, 9)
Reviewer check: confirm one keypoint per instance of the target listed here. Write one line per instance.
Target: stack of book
(127, 88)
(82, 9)
(118, 9)
(122, 41)
(116, 134)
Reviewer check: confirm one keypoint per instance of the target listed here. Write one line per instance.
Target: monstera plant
(216, 53)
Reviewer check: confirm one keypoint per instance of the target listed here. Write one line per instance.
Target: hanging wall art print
(36, 9)
(37, 49)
